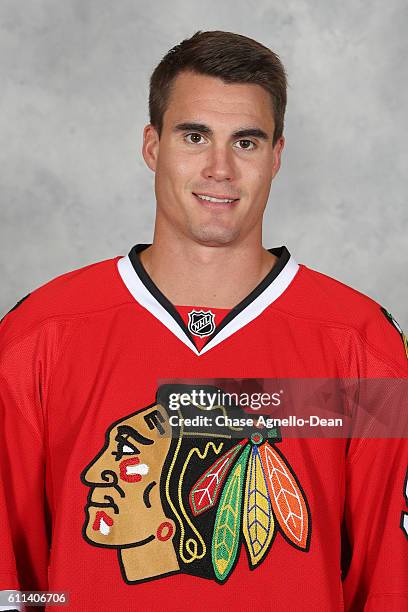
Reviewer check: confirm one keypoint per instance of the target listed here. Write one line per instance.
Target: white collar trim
(143, 296)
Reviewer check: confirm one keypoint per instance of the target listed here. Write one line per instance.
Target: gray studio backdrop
(73, 103)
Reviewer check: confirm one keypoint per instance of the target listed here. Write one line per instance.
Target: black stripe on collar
(281, 253)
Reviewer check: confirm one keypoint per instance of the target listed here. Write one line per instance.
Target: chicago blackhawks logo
(201, 323)
(177, 499)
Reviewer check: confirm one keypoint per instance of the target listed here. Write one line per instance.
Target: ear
(150, 150)
(277, 151)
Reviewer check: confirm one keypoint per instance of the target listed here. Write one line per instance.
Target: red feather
(206, 490)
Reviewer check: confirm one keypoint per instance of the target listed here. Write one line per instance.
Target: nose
(219, 164)
(109, 476)
(98, 473)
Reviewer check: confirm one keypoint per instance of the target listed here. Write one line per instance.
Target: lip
(93, 504)
(108, 503)
(219, 196)
(216, 204)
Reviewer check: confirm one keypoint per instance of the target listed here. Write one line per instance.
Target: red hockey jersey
(104, 497)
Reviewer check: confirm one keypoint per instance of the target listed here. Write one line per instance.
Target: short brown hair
(231, 57)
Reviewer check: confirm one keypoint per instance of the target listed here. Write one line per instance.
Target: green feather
(227, 524)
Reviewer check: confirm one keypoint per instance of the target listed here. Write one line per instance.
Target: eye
(124, 447)
(194, 138)
(245, 144)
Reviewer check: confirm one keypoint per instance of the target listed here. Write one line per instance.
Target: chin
(214, 236)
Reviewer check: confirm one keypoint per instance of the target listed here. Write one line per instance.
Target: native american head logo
(182, 498)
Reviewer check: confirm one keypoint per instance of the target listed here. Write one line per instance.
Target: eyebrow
(204, 129)
(127, 429)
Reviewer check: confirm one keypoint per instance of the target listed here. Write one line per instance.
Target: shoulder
(326, 298)
(79, 292)
(333, 304)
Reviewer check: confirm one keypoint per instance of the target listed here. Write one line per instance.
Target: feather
(288, 502)
(226, 536)
(205, 492)
(258, 521)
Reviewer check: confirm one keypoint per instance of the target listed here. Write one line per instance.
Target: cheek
(261, 181)
(132, 470)
(176, 166)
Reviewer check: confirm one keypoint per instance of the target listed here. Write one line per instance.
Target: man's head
(217, 103)
(230, 57)
(124, 507)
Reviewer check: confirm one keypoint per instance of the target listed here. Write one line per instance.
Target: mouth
(218, 201)
(109, 503)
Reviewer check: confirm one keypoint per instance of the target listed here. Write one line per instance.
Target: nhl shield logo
(201, 323)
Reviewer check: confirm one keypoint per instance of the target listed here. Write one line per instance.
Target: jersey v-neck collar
(148, 295)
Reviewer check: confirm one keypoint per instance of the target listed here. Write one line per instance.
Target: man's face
(216, 142)
(124, 506)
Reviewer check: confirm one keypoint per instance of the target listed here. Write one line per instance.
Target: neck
(193, 274)
(152, 559)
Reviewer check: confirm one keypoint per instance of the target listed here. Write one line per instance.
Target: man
(105, 494)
